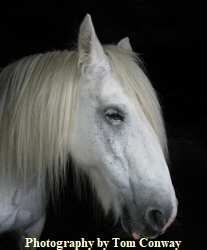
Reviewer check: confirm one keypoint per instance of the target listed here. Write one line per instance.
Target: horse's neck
(19, 205)
(18, 193)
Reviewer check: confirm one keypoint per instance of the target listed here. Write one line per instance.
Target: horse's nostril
(155, 220)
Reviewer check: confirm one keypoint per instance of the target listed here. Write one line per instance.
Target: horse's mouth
(137, 236)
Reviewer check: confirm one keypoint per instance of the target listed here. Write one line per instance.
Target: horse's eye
(114, 116)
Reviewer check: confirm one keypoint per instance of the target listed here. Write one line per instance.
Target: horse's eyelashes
(114, 116)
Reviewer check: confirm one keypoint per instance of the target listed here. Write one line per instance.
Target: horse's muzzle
(149, 223)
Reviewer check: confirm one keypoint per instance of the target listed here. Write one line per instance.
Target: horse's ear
(125, 44)
(92, 58)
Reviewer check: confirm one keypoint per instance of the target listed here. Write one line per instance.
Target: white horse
(97, 105)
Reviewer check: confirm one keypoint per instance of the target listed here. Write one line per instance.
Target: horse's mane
(37, 101)
(36, 108)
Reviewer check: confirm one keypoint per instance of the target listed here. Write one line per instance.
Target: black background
(171, 36)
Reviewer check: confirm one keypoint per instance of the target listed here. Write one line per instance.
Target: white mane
(37, 103)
